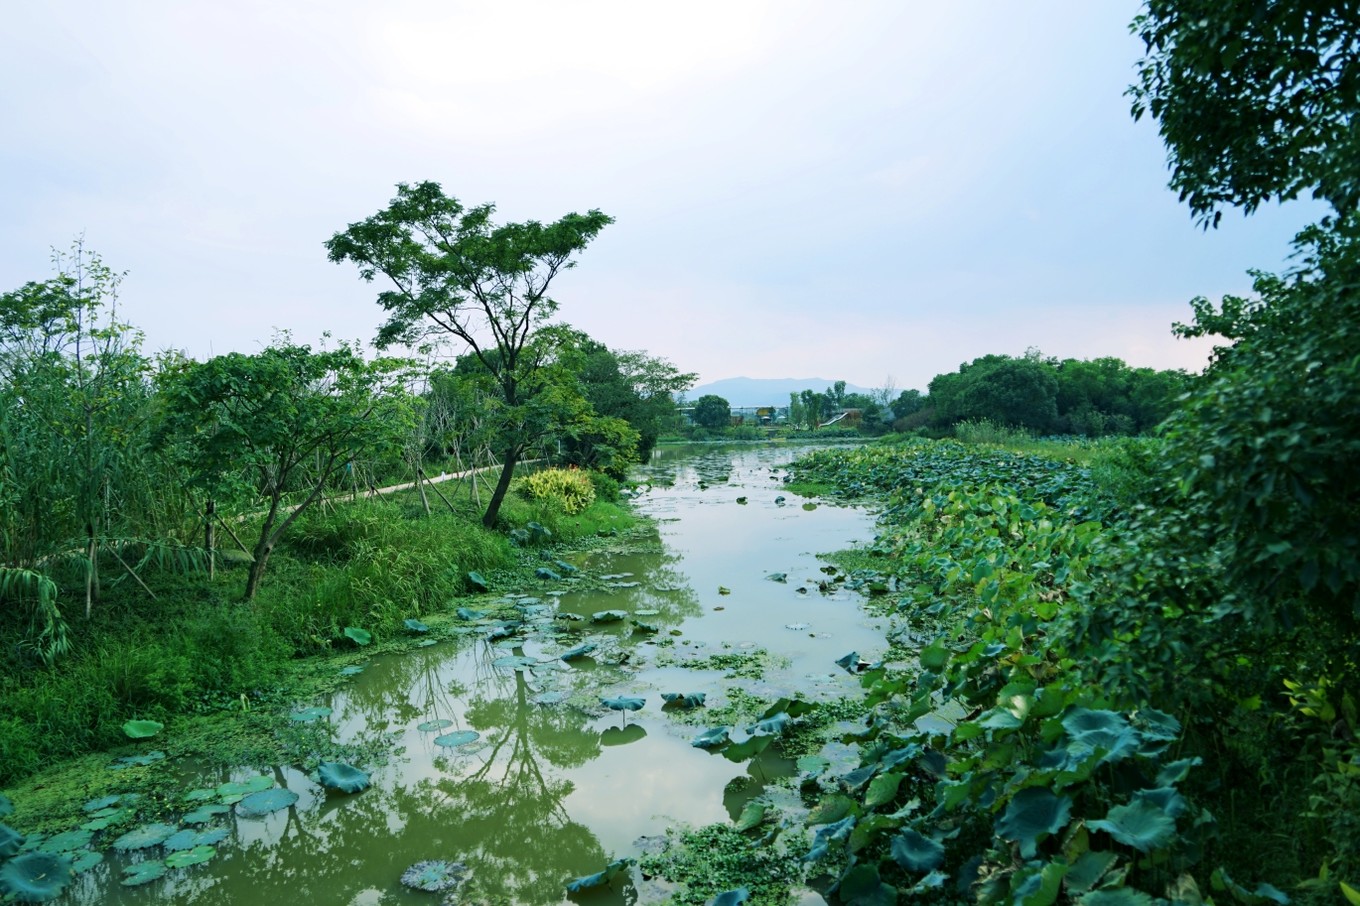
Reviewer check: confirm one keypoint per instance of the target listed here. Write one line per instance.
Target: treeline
(116, 464)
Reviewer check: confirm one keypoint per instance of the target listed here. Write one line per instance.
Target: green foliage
(1254, 101)
(712, 412)
(455, 275)
(571, 489)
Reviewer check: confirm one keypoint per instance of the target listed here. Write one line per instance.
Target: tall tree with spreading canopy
(457, 275)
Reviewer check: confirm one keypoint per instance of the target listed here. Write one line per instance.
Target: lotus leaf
(748, 748)
(1177, 771)
(647, 612)
(1087, 870)
(608, 616)
(862, 886)
(360, 637)
(143, 872)
(1032, 813)
(752, 815)
(779, 501)
(426, 643)
(514, 662)
(310, 714)
(710, 739)
(434, 875)
(467, 613)
(415, 625)
(453, 740)
(825, 836)
(916, 852)
(538, 532)
(565, 567)
(578, 651)
(430, 726)
(1264, 893)
(684, 699)
(797, 627)
(351, 670)
(6, 807)
(730, 897)
(10, 841)
(103, 822)
(598, 879)
(724, 590)
(342, 777)
(624, 584)
(1142, 824)
(85, 859)
(142, 729)
(202, 795)
(547, 574)
(36, 877)
(624, 703)
(551, 697)
(640, 626)
(259, 804)
(144, 836)
(196, 856)
(813, 764)
(477, 582)
(609, 577)
(882, 790)
(181, 840)
(773, 725)
(66, 842)
(852, 663)
(778, 577)
(104, 802)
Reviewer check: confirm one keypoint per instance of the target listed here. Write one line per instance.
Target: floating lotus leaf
(852, 663)
(608, 577)
(85, 859)
(579, 651)
(650, 612)
(773, 725)
(104, 802)
(514, 662)
(684, 700)
(710, 739)
(752, 815)
(916, 852)
(180, 840)
(503, 631)
(66, 842)
(565, 567)
(310, 714)
(415, 625)
(144, 836)
(1032, 813)
(813, 764)
(778, 577)
(551, 697)
(453, 740)
(547, 574)
(730, 897)
(143, 872)
(741, 500)
(10, 841)
(748, 748)
(724, 590)
(104, 821)
(257, 805)
(203, 795)
(434, 875)
(196, 856)
(142, 729)
(426, 643)
(608, 616)
(352, 670)
(137, 761)
(343, 777)
(600, 878)
(358, 636)
(210, 836)
(467, 613)
(36, 877)
(624, 584)
(430, 726)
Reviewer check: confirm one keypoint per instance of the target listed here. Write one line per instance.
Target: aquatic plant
(434, 875)
(623, 704)
(461, 738)
(360, 637)
(343, 777)
(142, 729)
(600, 878)
(257, 805)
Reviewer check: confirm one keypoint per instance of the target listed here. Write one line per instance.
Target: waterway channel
(552, 786)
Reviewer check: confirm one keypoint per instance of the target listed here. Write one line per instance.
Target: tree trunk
(493, 508)
(261, 555)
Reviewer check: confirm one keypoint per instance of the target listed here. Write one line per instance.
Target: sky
(874, 192)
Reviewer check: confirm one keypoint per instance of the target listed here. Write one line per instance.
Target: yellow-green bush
(570, 488)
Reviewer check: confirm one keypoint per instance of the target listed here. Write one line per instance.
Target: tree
(712, 411)
(633, 386)
(456, 275)
(258, 427)
(1254, 100)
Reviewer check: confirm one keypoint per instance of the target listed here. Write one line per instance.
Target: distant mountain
(744, 391)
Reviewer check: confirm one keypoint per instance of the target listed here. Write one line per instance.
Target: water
(554, 787)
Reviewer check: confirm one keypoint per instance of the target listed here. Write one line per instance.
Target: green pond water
(554, 786)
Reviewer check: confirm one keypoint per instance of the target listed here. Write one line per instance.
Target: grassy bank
(196, 650)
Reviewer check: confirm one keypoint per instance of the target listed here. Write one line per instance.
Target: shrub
(569, 488)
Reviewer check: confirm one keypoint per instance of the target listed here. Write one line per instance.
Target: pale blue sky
(864, 191)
